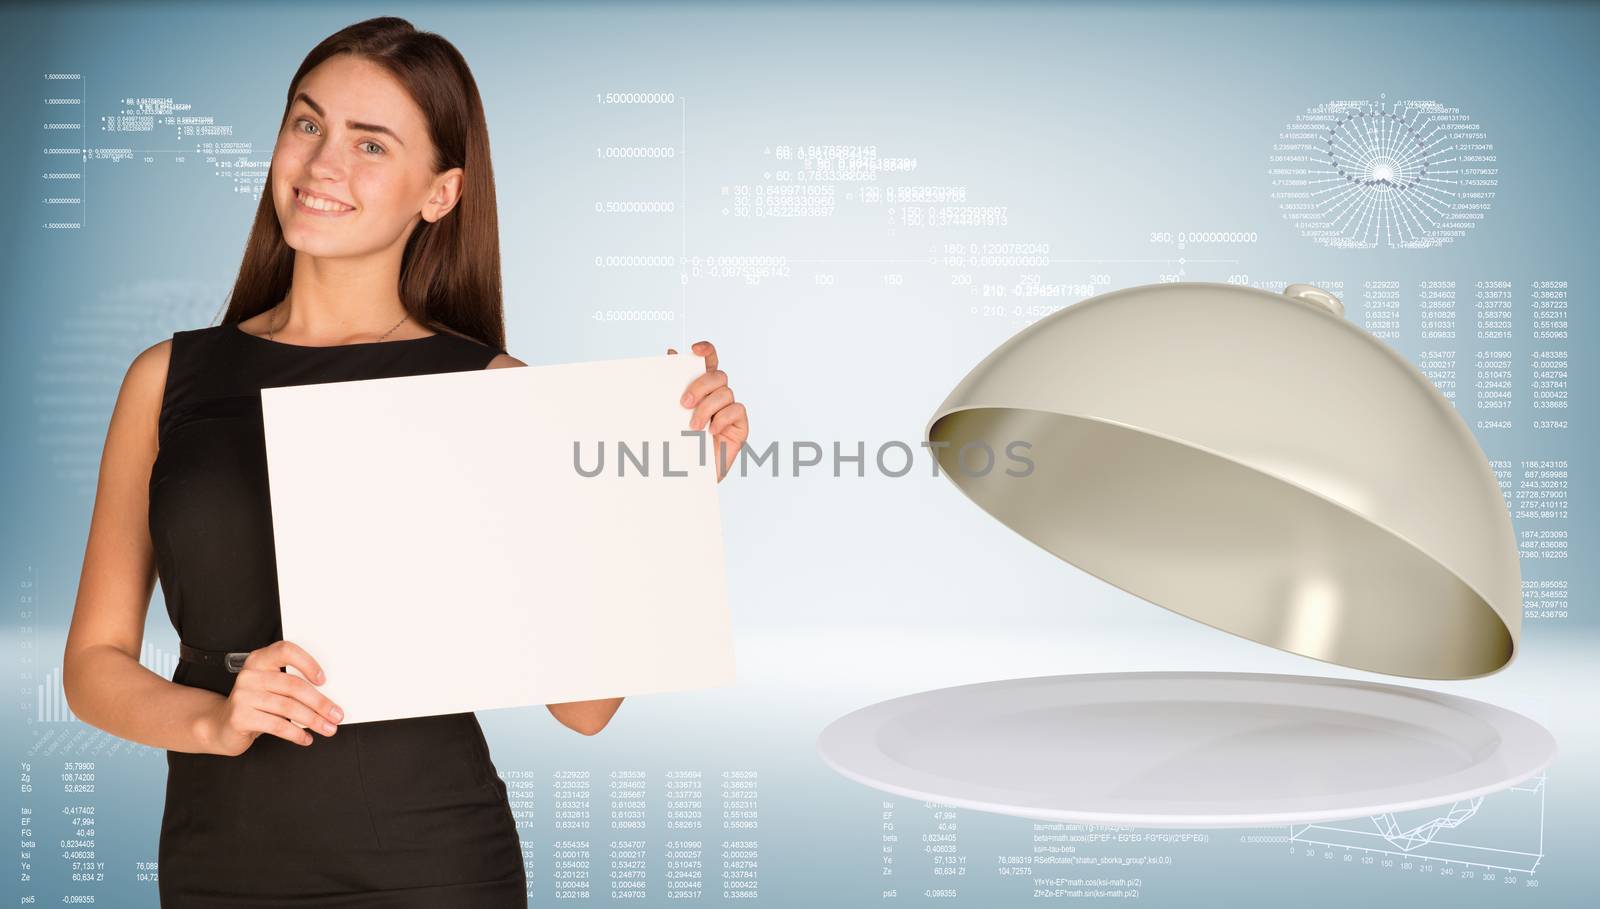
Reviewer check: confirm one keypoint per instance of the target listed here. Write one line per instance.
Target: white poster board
(439, 550)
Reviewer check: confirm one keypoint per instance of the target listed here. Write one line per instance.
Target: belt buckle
(234, 660)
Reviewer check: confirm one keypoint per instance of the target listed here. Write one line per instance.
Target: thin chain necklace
(385, 334)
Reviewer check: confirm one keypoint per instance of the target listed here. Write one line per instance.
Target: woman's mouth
(318, 205)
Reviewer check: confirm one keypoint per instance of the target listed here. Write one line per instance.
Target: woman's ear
(444, 196)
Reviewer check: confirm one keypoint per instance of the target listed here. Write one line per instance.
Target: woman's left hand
(715, 409)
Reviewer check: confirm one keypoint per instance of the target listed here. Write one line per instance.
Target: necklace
(385, 334)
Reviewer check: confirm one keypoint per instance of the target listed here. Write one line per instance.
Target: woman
(374, 253)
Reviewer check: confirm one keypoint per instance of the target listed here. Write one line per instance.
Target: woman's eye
(376, 148)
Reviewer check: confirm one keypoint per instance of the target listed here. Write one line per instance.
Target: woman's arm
(105, 684)
(587, 717)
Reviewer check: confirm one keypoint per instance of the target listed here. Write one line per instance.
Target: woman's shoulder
(151, 365)
(205, 334)
(498, 357)
(147, 374)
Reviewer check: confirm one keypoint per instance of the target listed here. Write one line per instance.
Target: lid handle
(1317, 295)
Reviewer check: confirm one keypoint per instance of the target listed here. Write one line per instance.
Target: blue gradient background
(1094, 124)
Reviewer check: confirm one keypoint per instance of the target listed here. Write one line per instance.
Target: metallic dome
(1253, 461)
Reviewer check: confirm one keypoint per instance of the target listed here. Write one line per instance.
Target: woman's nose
(327, 162)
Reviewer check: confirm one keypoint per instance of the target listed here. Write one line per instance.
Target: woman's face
(355, 137)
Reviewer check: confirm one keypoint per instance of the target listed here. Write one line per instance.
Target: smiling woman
(374, 253)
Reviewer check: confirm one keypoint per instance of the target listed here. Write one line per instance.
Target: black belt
(231, 660)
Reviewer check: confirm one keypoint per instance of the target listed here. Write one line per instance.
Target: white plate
(1186, 749)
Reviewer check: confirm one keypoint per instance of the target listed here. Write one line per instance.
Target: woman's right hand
(265, 700)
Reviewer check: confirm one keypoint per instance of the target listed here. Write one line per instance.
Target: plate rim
(1530, 736)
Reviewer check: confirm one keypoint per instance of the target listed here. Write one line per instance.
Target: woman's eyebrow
(370, 127)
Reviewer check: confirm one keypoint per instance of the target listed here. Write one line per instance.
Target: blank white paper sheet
(439, 550)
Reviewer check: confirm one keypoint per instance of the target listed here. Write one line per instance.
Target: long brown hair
(450, 269)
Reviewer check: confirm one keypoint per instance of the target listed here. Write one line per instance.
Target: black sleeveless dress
(394, 813)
